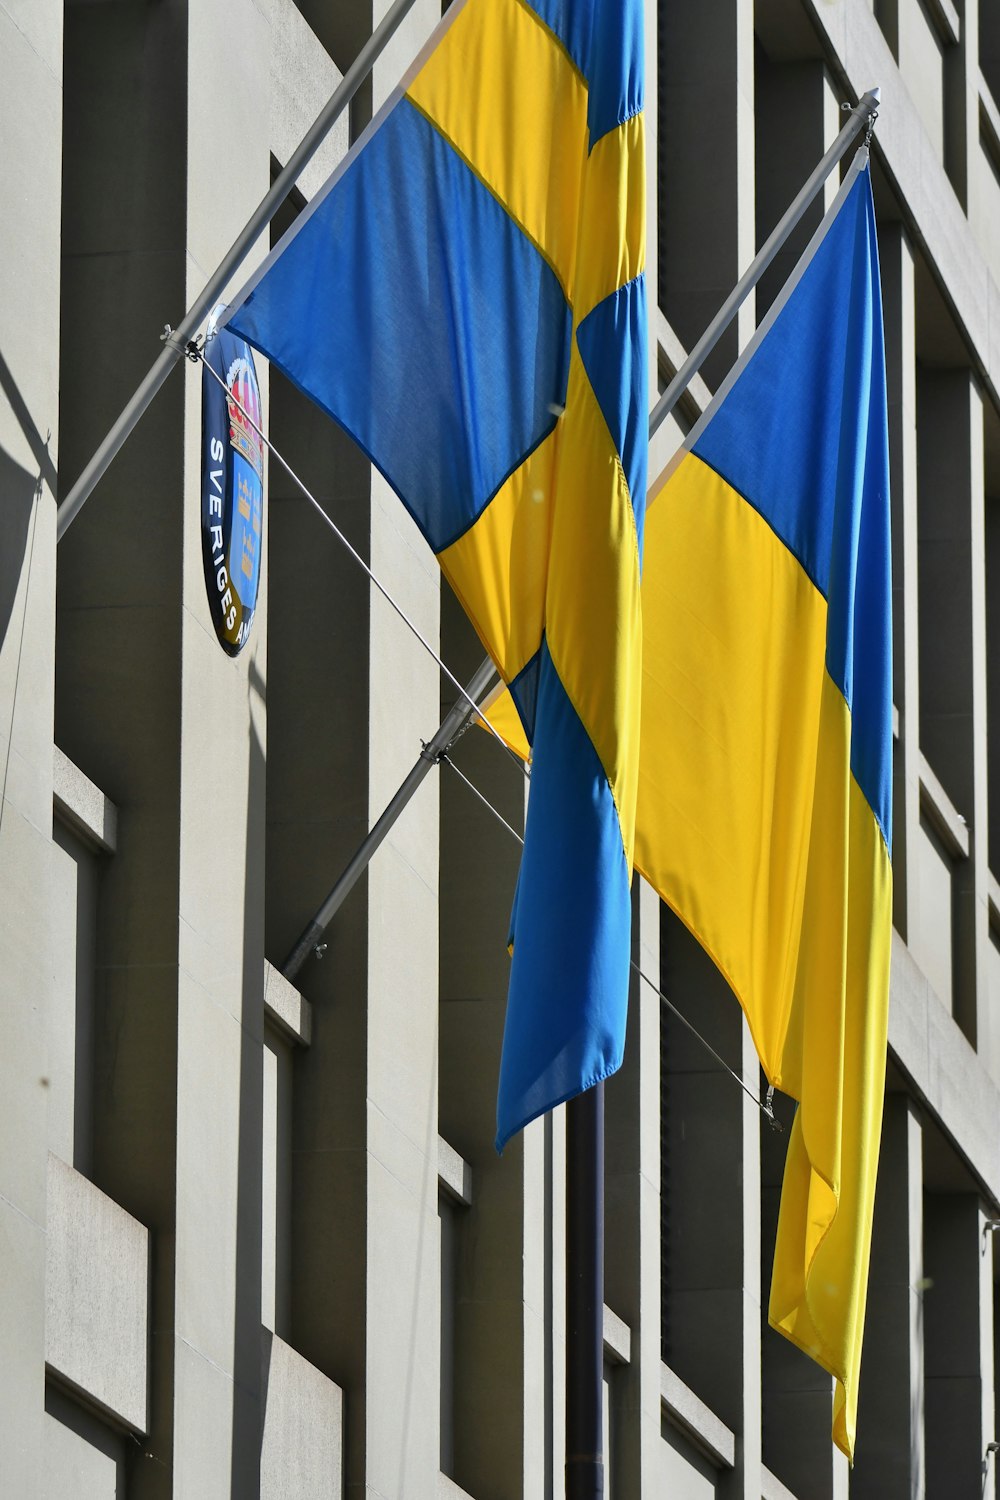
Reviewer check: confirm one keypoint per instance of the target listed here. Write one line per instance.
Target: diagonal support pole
(451, 727)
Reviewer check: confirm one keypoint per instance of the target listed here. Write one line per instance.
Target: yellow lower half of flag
(752, 827)
(820, 1278)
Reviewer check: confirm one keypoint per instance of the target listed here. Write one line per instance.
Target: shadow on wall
(18, 490)
(252, 1342)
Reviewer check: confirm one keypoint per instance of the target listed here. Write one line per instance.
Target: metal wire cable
(447, 760)
(766, 1107)
(196, 353)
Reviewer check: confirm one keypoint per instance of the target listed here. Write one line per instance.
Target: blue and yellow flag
(465, 296)
(764, 811)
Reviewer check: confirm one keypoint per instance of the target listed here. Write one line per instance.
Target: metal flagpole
(453, 724)
(173, 347)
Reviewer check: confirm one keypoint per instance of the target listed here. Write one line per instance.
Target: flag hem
(605, 1073)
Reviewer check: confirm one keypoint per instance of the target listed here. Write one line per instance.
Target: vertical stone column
(711, 1236)
(706, 219)
(403, 1269)
(178, 1128)
(890, 1455)
(887, 15)
(357, 695)
(797, 1393)
(317, 797)
(119, 614)
(896, 261)
(961, 108)
(958, 1323)
(632, 1209)
(797, 120)
(973, 911)
(30, 122)
(953, 652)
(217, 1405)
(503, 1350)
(403, 1277)
(317, 814)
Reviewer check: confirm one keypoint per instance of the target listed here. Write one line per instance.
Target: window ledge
(698, 1421)
(948, 822)
(285, 1008)
(617, 1338)
(454, 1173)
(771, 1488)
(81, 804)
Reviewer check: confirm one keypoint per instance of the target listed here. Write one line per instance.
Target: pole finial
(867, 109)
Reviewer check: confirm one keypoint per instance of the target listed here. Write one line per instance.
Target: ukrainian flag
(764, 810)
(465, 296)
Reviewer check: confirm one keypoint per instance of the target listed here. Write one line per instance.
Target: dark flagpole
(585, 1295)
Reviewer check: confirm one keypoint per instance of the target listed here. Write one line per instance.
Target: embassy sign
(232, 489)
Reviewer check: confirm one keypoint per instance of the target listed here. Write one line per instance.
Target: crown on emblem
(242, 387)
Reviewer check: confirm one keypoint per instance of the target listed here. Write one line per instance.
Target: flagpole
(585, 1295)
(862, 117)
(451, 727)
(175, 340)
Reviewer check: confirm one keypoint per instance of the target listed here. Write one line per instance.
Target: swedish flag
(465, 296)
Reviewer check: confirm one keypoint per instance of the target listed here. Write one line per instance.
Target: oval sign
(232, 491)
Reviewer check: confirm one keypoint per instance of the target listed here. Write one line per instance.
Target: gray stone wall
(254, 1238)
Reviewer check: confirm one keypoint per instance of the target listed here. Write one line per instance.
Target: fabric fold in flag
(764, 810)
(465, 296)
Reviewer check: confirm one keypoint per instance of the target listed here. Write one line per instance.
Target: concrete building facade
(254, 1238)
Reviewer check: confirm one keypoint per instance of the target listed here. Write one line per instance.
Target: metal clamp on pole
(451, 727)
